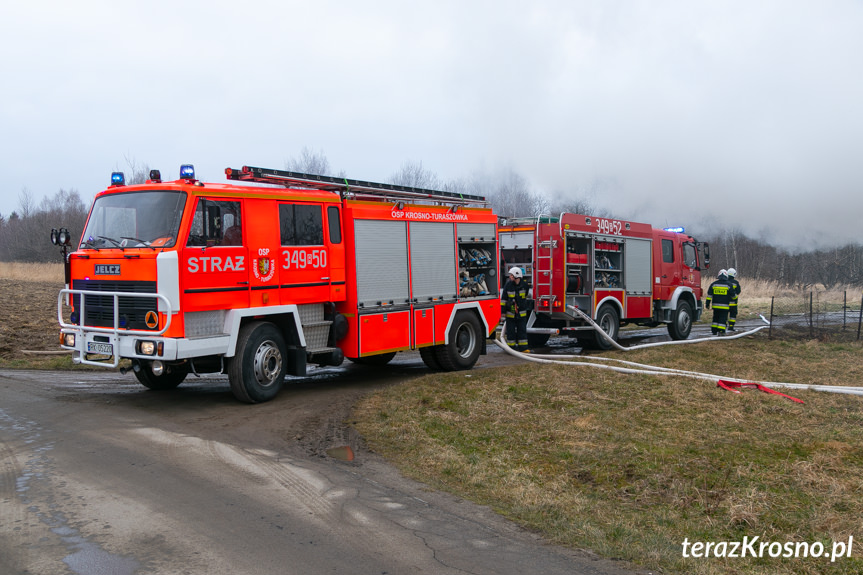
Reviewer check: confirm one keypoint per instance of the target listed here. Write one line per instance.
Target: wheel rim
(684, 321)
(268, 363)
(465, 340)
(607, 325)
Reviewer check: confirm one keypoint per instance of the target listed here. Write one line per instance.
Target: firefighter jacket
(514, 301)
(721, 294)
(736, 285)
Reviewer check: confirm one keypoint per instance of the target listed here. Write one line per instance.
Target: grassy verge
(629, 466)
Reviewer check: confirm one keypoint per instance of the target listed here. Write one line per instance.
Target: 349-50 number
(302, 258)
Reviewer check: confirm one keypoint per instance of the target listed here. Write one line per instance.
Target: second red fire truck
(182, 277)
(614, 271)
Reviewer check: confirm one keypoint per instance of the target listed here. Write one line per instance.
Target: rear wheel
(257, 371)
(609, 321)
(681, 321)
(170, 378)
(464, 345)
(429, 356)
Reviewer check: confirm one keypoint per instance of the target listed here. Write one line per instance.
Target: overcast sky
(749, 113)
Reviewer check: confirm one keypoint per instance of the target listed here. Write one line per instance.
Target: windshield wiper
(112, 240)
(144, 243)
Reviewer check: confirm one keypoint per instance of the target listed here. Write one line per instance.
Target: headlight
(147, 348)
(67, 339)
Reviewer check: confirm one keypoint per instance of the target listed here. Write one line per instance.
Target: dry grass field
(28, 306)
(630, 466)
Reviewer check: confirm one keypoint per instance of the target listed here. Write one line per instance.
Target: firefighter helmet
(722, 272)
(515, 271)
(732, 272)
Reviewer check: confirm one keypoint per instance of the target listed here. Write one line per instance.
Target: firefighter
(515, 307)
(720, 294)
(732, 309)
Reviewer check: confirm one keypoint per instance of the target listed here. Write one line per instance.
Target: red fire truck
(257, 281)
(614, 271)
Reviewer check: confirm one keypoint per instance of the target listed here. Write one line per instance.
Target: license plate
(100, 348)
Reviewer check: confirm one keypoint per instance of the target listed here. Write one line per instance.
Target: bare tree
(414, 175)
(26, 204)
(309, 162)
(509, 193)
(138, 172)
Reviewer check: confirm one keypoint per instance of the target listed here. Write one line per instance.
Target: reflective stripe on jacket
(514, 300)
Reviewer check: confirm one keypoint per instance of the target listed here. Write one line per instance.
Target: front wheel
(681, 321)
(170, 378)
(257, 371)
(465, 343)
(609, 321)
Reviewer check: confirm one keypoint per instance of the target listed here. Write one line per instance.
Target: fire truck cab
(614, 271)
(257, 281)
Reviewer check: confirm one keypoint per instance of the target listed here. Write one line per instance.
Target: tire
(681, 321)
(379, 360)
(609, 321)
(429, 356)
(465, 343)
(170, 378)
(257, 371)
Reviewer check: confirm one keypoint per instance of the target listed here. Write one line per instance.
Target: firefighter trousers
(720, 319)
(732, 315)
(516, 331)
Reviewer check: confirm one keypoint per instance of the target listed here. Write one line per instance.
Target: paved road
(100, 476)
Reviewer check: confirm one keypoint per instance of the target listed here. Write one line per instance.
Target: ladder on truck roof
(349, 188)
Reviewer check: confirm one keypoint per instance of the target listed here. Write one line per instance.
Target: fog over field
(724, 115)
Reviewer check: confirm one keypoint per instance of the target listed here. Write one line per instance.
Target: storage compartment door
(385, 332)
(636, 270)
(433, 262)
(382, 263)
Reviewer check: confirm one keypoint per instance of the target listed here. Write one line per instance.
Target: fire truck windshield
(148, 219)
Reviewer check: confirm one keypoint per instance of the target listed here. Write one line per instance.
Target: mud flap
(296, 361)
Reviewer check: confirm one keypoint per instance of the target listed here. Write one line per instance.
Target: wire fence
(817, 315)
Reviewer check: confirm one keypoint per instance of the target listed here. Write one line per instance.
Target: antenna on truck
(348, 188)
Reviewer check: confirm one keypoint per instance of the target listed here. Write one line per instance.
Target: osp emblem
(264, 269)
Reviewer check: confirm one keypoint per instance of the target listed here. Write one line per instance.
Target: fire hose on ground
(644, 369)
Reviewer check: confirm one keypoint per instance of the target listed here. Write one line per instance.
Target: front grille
(100, 309)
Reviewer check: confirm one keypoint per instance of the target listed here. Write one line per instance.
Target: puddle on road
(343, 453)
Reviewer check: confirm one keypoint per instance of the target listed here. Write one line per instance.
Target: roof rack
(348, 188)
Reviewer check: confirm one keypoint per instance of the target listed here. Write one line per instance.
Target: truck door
(690, 265)
(262, 241)
(215, 263)
(670, 266)
(304, 259)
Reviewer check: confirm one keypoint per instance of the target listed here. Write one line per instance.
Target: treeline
(758, 260)
(25, 234)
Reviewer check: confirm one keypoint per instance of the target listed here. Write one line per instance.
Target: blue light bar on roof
(118, 179)
(187, 172)
(675, 230)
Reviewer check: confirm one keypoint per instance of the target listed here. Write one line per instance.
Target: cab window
(335, 225)
(690, 256)
(668, 251)
(301, 225)
(216, 223)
